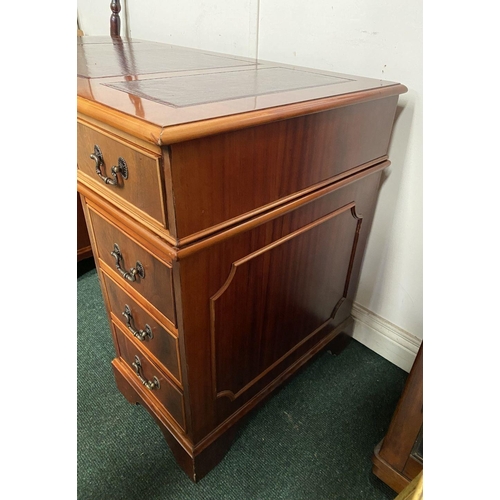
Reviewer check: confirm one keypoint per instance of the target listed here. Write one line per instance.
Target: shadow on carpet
(313, 440)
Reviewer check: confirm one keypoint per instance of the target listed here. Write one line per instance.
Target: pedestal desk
(228, 203)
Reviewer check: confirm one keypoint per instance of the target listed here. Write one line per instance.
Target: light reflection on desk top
(133, 58)
(167, 85)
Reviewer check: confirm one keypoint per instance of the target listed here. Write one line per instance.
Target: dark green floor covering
(313, 440)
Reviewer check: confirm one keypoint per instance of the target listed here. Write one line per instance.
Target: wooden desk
(398, 458)
(84, 250)
(228, 202)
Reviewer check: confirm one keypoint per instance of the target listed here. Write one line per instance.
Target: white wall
(227, 26)
(380, 39)
(220, 25)
(94, 15)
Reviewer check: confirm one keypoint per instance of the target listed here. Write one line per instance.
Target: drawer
(138, 268)
(158, 341)
(138, 184)
(151, 376)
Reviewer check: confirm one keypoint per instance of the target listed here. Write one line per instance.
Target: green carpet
(313, 440)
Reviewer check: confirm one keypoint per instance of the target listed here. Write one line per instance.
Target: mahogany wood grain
(167, 393)
(219, 258)
(259, 316)
(84, 249)
(412, 467)
(159, 242)
(280, 378)
(250, 211)
(292, 305)
(194, 460)
(156, 286)
(384, 471)
(415, 490)
(259, 218)
(106, 129)
(403, 431)
(165, 124)
(144, 172)
(284, 203)
(163, 344)
(204, 122)
(223, 176)
(392, 459)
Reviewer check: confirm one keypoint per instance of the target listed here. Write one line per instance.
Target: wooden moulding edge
(154, 224)
(194, 237)
(168, 422)
(176, 431)
(269, 388)
(233, 394)
(386, 473)
(151, 242)
(164, 135)
(151, 357)
(129, 124)
(258, 220)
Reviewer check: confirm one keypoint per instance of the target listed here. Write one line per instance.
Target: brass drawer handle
(140, 334)
(121, 168)
(131, 275)
(149, 384)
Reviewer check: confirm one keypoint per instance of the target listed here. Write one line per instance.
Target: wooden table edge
(164, 135)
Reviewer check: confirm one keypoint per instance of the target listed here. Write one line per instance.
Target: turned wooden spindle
(114, 22)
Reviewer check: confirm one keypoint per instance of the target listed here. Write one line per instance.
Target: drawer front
(151, 376)
(154, 283)
(158, 341)
(141, 190)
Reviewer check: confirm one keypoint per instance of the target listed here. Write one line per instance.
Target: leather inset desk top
(224, 86)
(141, 58)
(139, 87)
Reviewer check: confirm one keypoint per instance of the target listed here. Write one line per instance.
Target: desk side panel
(257, 304)
(222, 179)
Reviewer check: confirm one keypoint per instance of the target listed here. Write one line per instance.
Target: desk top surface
(171, 88)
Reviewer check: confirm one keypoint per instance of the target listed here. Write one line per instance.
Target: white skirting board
(385, 338)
